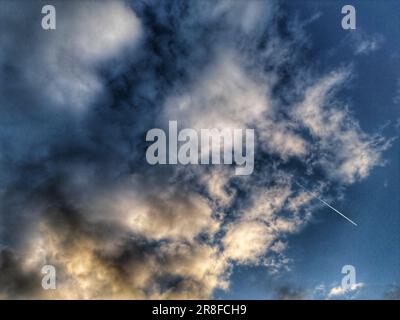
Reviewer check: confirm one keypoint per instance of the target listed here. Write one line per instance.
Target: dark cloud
(288, 292)
(393, 293)
(16, 283)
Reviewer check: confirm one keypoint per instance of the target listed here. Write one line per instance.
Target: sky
(77, 193)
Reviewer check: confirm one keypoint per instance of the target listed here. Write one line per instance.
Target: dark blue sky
(328, 243)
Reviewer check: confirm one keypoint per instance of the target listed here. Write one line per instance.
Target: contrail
(327, 204)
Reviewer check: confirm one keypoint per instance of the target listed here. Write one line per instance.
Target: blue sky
(324, 246)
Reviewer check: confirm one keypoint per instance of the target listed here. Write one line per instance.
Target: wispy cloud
(364, 42)
(337, 292)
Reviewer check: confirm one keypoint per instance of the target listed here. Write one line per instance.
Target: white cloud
(94, 32)
(228, 95)
(150, 210)
(341, 292)
(366, 43)
(334, 291)
(279, 138)
(223, 96)
(92, 268)
(257, 235)
(248, 17)
(216, 182)
(247, 241)
(350, 153)
(61, 64)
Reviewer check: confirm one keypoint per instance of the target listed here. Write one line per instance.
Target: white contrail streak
(327, 204)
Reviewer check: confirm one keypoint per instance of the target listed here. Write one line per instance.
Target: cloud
(246, 241)
(393, 293)
(15, 282)
(365, 43)
(156, 213)
(62, 64)
(356, 153)
(337, 291)
(340, 292)
(396, 98)
(103, 260)
(223, 97)
(288, 292)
